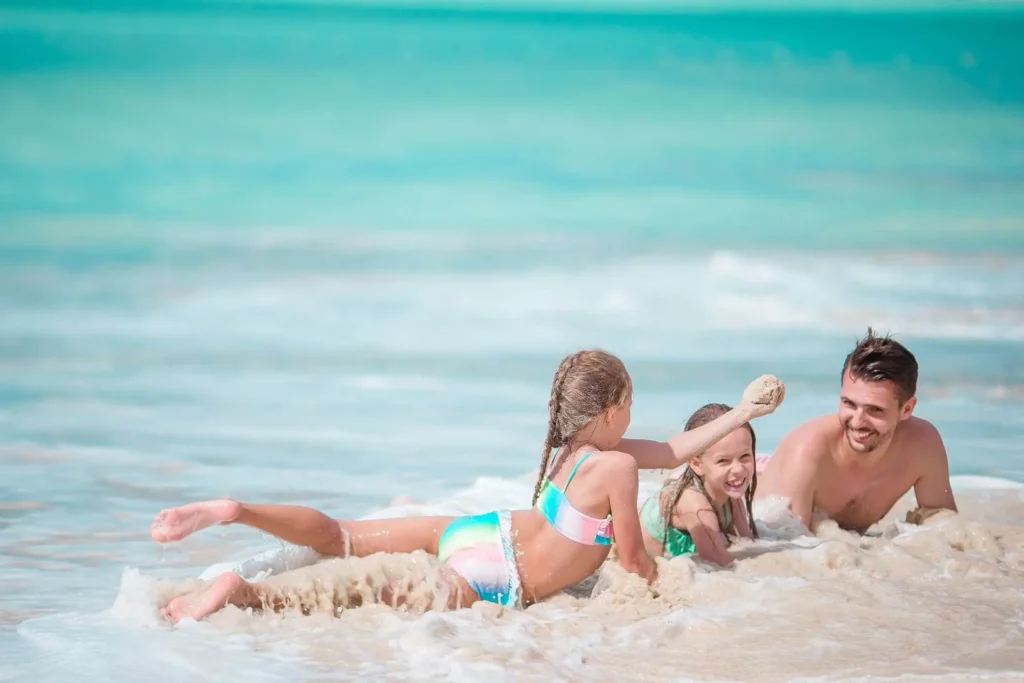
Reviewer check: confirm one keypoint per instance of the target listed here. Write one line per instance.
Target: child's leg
(228, 589)
(306, 527)
(232, 589)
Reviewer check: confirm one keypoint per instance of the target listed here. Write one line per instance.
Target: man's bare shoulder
(810, 442)
(794, 469)
(921, 439)
(919, 429)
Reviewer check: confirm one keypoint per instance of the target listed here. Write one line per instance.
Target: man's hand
(932, 488)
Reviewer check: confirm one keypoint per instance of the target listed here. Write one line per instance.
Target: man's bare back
(857, 464)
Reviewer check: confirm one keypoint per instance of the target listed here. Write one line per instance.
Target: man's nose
(859, 418)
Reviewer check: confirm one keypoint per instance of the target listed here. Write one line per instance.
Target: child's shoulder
(692, 510)
(622, 462)
(692, 500)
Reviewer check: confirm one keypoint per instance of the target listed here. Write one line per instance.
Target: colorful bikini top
(567, 520)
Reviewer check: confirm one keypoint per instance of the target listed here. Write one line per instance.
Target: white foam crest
(542, 309)
(484, 495)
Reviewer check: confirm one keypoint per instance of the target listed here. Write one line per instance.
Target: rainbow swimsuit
(569, 521)
(480, 548)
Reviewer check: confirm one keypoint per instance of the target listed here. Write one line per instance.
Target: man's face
(870, 412)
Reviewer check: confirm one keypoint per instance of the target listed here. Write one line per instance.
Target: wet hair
(702, 416)
(586, 384)
(877, 359)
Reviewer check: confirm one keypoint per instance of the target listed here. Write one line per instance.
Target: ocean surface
(330, 254)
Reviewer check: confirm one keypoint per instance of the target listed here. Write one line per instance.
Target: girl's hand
(763, 396)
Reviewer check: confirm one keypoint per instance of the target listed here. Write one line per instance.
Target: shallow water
(329, 256)
(942, 599)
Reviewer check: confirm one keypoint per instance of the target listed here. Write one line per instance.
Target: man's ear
(908, 408)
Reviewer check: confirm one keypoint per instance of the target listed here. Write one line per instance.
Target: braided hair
(586, 384)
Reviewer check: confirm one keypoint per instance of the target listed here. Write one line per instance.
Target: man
(856, 465)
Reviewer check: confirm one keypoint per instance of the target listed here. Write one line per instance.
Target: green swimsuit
(675, 542)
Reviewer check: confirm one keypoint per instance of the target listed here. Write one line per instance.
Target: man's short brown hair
(876, 359)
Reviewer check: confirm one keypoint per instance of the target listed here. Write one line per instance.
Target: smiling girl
(710, 501)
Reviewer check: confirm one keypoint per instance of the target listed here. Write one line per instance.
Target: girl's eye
(747, 457)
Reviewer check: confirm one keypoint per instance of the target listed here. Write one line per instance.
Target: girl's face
(727, 468)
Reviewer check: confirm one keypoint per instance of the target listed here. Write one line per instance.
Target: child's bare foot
(175, 524)
(198, 605)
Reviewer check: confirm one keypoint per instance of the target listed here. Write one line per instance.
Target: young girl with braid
(697, 512)
(511, 558)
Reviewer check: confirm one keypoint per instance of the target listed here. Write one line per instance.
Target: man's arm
(932, 489)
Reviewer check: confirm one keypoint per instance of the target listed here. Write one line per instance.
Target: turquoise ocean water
(329, 254)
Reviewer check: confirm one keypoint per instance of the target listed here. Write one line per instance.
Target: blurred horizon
(748, 128)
